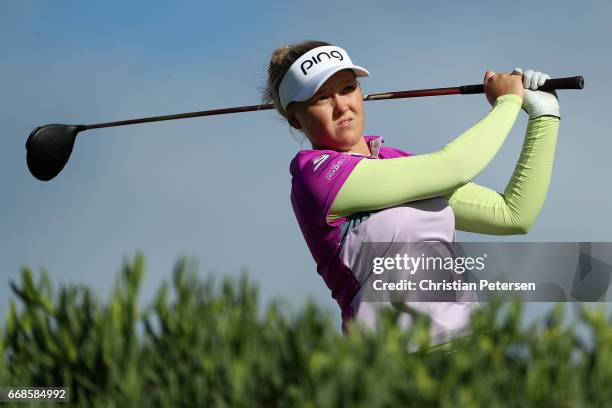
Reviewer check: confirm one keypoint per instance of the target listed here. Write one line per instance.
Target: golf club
(49, 146)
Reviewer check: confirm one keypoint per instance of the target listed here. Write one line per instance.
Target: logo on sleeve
(317, 162)
(334, 169)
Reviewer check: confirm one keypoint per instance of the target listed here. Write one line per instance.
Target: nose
(341, 103)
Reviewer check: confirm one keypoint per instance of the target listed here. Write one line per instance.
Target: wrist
(538, 103)
(535, 112)
(509, 98)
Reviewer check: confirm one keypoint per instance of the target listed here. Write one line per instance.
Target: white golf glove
(538, 103)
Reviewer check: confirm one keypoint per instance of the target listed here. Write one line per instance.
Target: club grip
(575, 82)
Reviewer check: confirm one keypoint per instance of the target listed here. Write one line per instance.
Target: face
(333, 118)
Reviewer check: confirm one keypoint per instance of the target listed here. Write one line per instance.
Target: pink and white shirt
(318, 175)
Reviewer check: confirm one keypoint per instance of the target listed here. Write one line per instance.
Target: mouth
(344, 123)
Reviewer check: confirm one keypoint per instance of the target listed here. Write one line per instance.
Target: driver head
(48, 149)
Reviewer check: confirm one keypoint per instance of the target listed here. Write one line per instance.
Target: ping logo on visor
(306, 75)
(306, 65)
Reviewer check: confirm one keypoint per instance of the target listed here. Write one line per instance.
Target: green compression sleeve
(482, 210)
(376, 184)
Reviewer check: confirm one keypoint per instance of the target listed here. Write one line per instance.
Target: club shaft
(576, 82)
(249, 108)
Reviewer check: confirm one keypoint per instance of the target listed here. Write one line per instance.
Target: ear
(294, 122)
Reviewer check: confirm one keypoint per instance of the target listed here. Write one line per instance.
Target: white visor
(311, 70)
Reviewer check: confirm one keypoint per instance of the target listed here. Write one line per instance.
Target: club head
(48, 149)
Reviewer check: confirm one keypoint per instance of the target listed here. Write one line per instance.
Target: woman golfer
(350, 189)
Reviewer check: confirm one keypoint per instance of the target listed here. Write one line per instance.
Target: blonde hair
(281, 60)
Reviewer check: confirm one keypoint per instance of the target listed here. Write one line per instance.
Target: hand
(496, 85)
(538, 103)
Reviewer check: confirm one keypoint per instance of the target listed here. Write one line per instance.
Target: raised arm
(480, 209)
(376, 184)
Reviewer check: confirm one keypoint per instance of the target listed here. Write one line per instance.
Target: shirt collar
(375, 143)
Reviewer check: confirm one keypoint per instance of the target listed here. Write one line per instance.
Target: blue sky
(217, 188)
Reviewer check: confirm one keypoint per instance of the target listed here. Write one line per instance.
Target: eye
(348, 89)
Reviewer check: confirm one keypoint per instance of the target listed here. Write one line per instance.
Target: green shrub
(207, 344)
